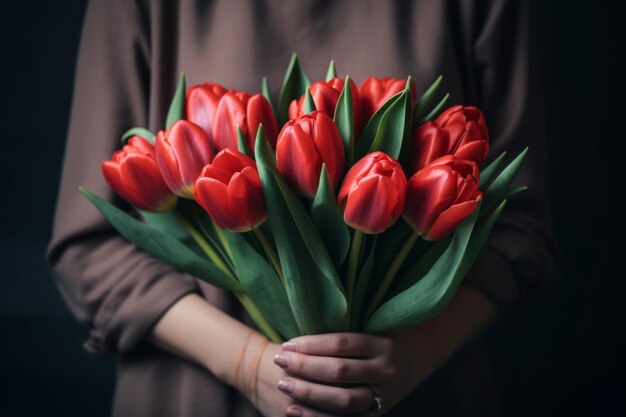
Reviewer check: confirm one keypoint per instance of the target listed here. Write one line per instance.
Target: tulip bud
(237, 108)
(372, 194)
(325, 96)
(134, 175)
(459, 131)
(303, 145)
(181, 153)
(230, 190)
(374, 92)
(202, 101)
(442, 195)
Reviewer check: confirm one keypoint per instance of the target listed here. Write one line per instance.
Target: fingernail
(280, 360)
(289, 346)
(294, 412)
(285, 385)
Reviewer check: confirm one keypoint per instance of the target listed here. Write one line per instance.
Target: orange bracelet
(255, 370)
(240, 359)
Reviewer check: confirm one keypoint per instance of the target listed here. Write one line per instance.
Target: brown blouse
(131, 54)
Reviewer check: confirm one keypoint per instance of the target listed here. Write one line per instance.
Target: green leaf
(177, 106)
(138, 131)
(361, 287)
(261, 283)
(499, 187)
(265, 91)
(391, 131)
(168, 223)
(312, 284)
(516, 191)
(332, 71)
(430, 295)
(420, 267)
(389, 243)
(488, 172)
(344, 119)
(327, 217)
(408, 121)
(424, 103)
(309, 104)
(165, 222)
(294, 86)
(407, 86)
(242, 144)
(201, 220)
(369, 133)
(160, 244)
(435, 112)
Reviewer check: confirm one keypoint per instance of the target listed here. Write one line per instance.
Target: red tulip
(134, 175)
(303, 145)
(239, 108)
(230, 190)
(202, 101)
(372, 194)
(181, 152)
(459, 131)
(374, 92)
(325, 96)
(442, 195)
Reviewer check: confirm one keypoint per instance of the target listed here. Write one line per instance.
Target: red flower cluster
(434, 192)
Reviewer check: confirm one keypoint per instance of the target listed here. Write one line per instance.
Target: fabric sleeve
(107, 282)
(519, 258)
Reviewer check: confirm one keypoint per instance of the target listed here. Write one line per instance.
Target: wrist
(245, 372)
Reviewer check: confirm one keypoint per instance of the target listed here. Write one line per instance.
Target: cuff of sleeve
(133, 315)
(493, 277)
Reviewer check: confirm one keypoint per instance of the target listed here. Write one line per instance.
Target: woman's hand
(335, 374)
(341, 373)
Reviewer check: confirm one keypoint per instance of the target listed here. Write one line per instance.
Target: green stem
(271, 253)
(391, 273)
(204, 245)
(353, 263)
(222, 237)
(258, 318)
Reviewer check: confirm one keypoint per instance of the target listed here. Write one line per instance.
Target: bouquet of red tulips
(341, 208)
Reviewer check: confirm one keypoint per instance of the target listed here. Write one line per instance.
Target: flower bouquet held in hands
(340, 208)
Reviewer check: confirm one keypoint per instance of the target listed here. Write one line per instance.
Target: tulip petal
(260, 111)
(138, 180)
(202, 104)
(370, 206)
(429, 144)
(329, 146)
(192, 149)
(297, 159)
(429, 192)
(247, 208)
(473, 151)
(449, 219)
(112, 175)
(230, 113)
(212, 195)
(168, 165)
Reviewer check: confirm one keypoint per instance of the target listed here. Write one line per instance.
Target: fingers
(330, 369)
(302, 411)
(337, 344)
(327, 398)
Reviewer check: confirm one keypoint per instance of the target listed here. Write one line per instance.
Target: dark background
(561, 355)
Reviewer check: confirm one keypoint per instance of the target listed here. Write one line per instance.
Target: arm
(198, 331)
